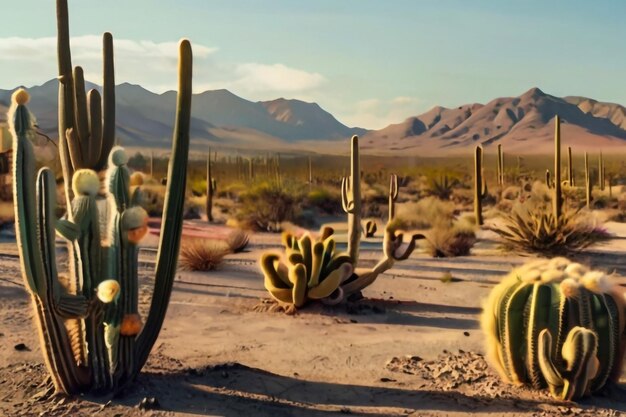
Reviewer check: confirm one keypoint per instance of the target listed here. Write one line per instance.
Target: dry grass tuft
(447, 242)
(532, 227)
(202, 255)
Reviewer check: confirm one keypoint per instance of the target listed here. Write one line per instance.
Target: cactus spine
(556, 324)
(557, 200)
(84, 320)
(480, 185)
(211, 186)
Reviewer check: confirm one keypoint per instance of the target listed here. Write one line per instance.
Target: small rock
(466, 333)
(21, 347)
(384, 379)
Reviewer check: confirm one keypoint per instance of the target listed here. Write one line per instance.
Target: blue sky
(370, 63)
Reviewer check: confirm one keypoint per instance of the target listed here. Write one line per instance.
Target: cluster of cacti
(556, 324)
(211, 187)
(281, 276)
(92, 337)
(480, 185)
(312, 269)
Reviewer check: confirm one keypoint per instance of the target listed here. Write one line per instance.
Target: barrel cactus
(556, 324)
(311, 269)
(93, 338)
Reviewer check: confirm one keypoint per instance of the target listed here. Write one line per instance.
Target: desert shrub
(449, 241)
(237, 240)
(265, 206)
(463, 197)
(324, 199)
(194, 207)
(532, 227)
(512, 192)
(153, 198)
(202, 254)
(424, 214)
(441, 187)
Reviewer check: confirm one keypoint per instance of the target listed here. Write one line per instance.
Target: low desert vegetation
(202, 254)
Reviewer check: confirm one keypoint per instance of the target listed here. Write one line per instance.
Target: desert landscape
(191, 252)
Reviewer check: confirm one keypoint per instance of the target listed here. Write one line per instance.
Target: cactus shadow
(415, 313)
(233, 390)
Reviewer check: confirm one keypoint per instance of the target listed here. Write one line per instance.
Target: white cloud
(375, 113)
(257, 78)
(28, 61)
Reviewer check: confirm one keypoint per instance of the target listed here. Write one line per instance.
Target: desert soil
(412, 347)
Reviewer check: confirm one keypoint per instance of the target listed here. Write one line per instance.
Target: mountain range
(523, 124)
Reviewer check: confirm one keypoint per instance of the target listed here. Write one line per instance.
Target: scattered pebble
(21, 347)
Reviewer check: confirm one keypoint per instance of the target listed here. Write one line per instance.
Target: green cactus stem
(570, 168)
(500, 166)
(549, 180)
(588, 182)
(556, 324)
(557, 199)
(601, 172)
(211, 187)
(351, 200)
(171, 228)
(393, 195)
(480, 185)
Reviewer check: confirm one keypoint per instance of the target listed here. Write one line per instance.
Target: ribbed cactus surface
(556, 324)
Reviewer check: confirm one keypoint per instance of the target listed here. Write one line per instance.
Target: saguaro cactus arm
(173, 210)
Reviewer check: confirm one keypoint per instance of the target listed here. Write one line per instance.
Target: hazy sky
(370, 63)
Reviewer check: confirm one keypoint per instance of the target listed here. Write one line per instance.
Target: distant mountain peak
(521, 124)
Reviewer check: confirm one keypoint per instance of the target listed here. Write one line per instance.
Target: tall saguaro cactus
(211, 186)
(480, 185)
(588, 183)
(500, 166)
(557, 200)
(92, 337)
(351, 200)
(570, 168)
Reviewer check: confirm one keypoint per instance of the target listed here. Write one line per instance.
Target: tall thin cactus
(570, 169)
(601, 172)
(500, 166)
(91, 333)
(211, 187)
(588, 182)
(393, 196)
(480, 185)
(557, 200)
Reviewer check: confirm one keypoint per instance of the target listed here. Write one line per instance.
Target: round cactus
(557, 324)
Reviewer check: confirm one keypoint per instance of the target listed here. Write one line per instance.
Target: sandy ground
(413, 347)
